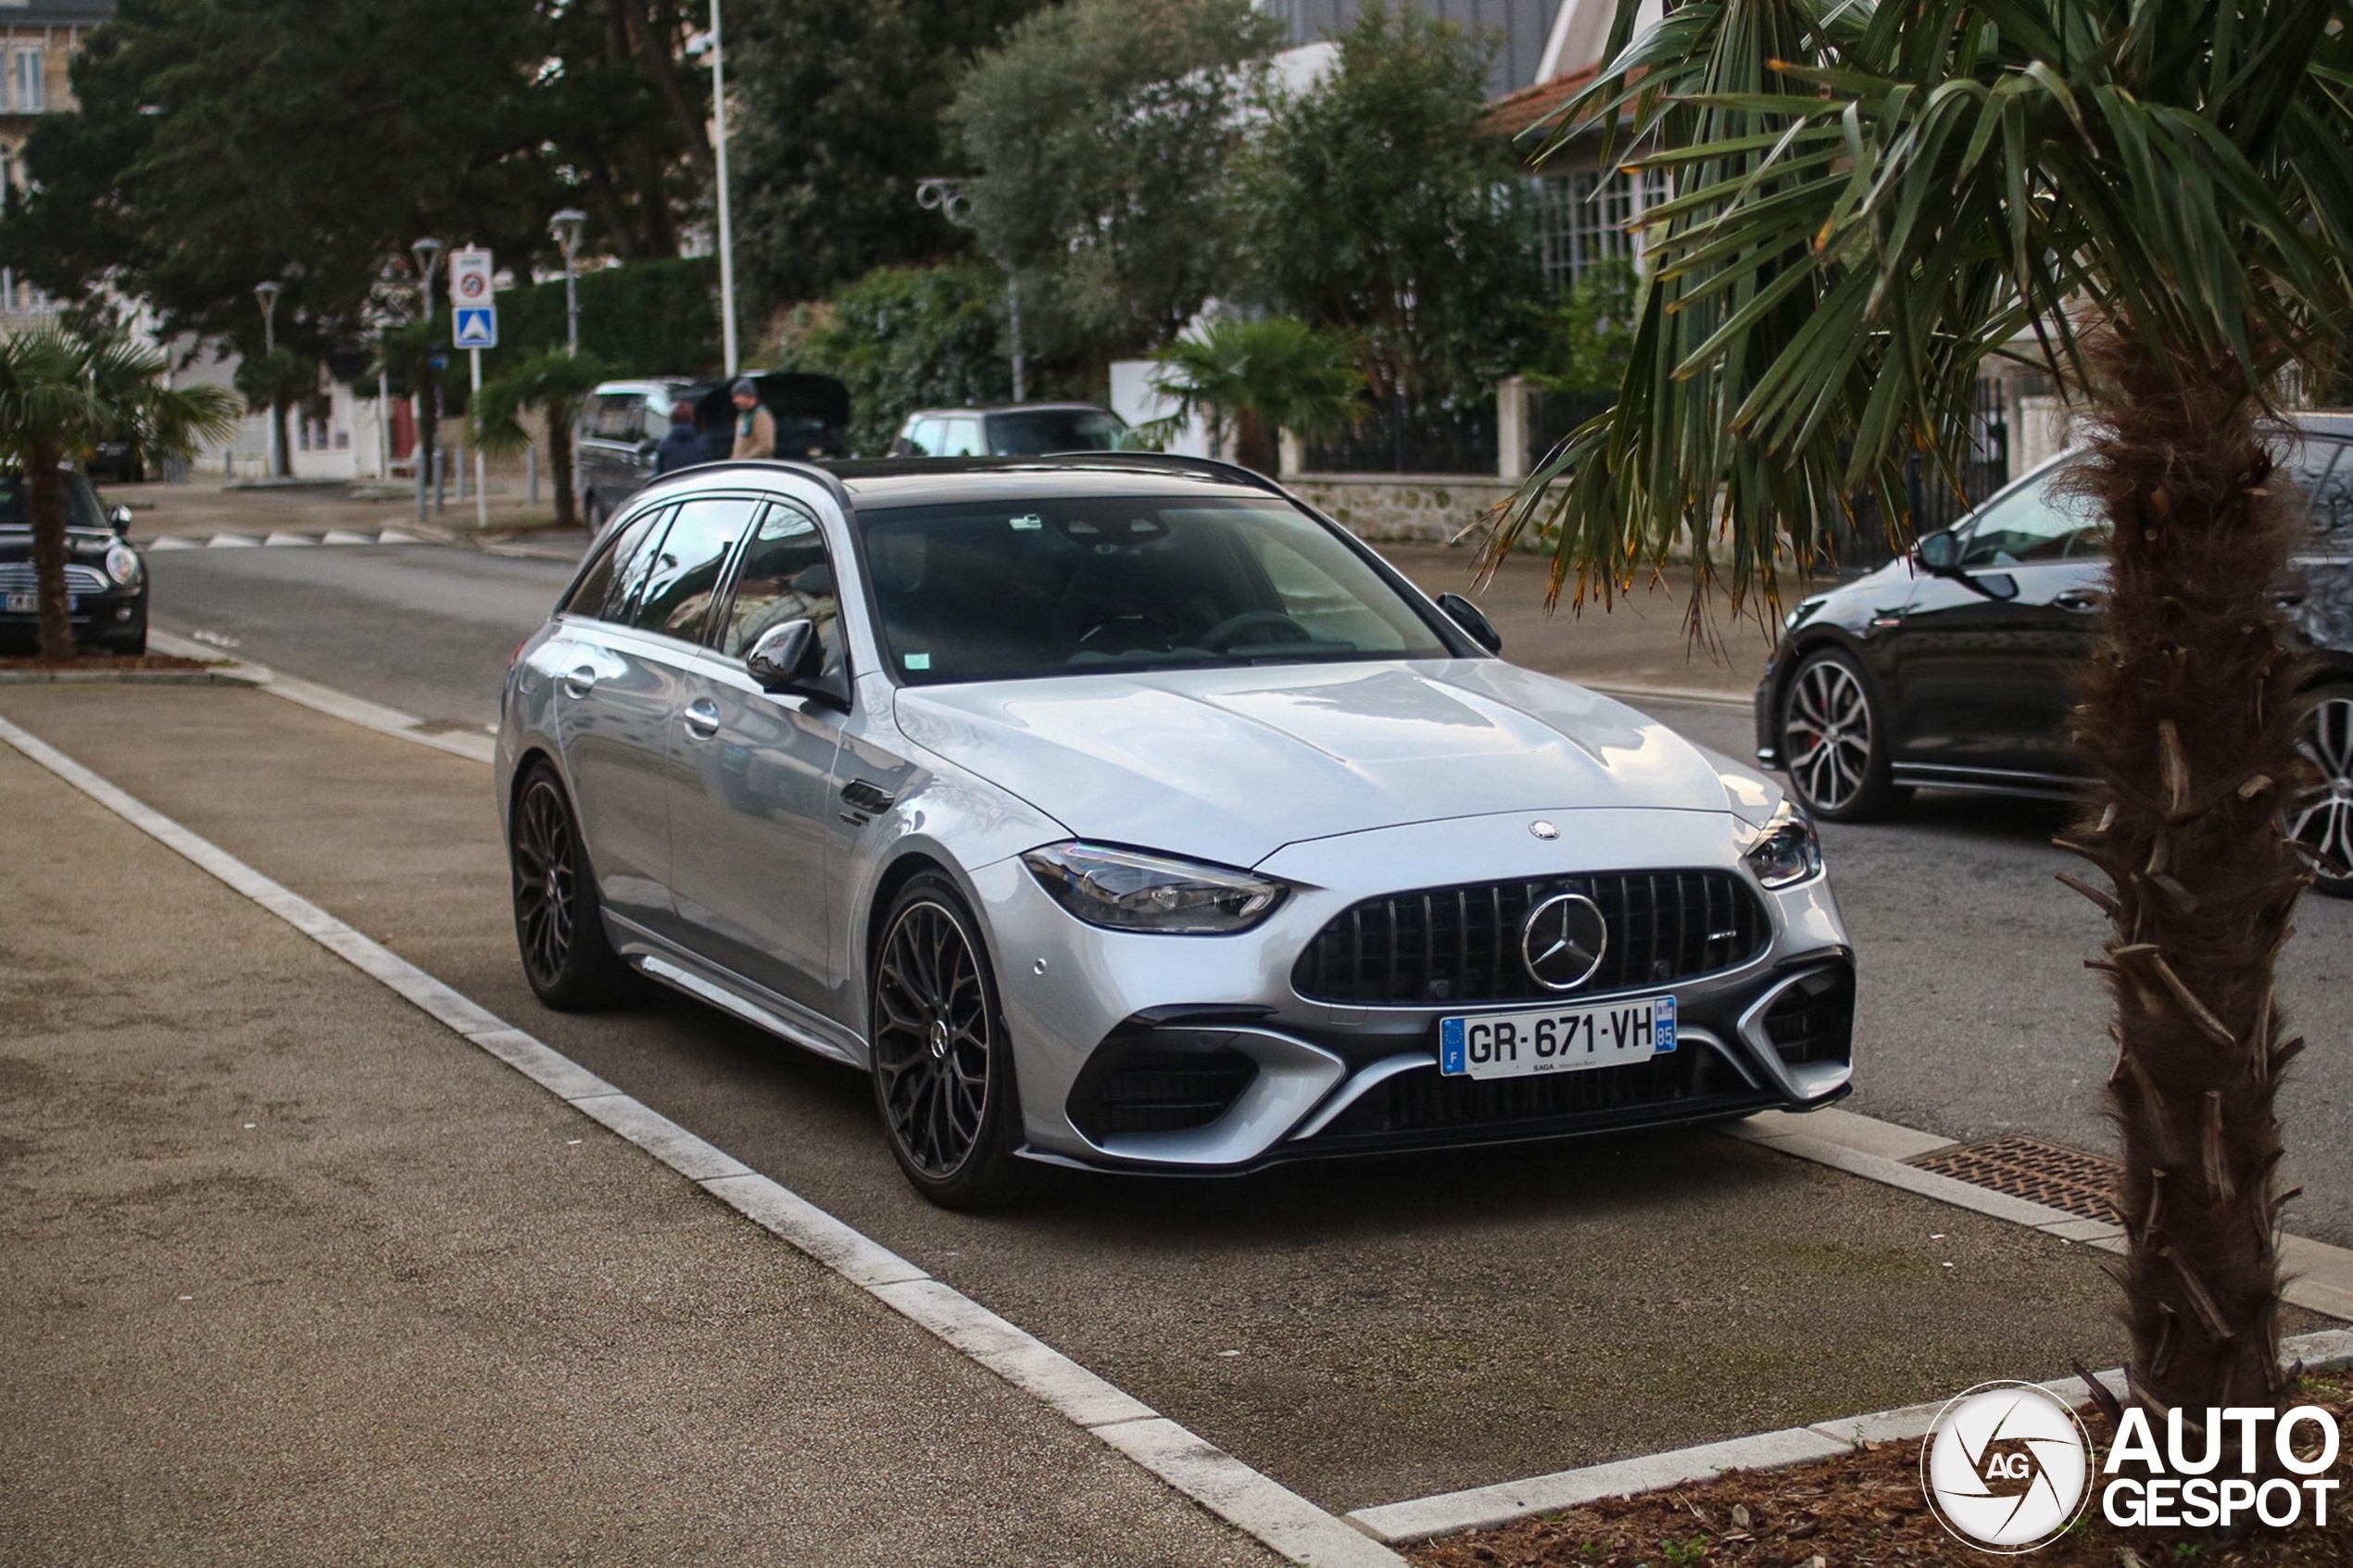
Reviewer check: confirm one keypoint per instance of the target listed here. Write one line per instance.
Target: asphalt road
(1976, 1015)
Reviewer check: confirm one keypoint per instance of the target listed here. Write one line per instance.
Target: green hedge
(643, 319)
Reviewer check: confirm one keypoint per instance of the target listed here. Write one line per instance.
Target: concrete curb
(340, 705)
(1484, 1507)
(1211, 1478)
(235, 675)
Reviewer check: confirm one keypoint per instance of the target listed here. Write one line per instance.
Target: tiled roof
(1514, 112)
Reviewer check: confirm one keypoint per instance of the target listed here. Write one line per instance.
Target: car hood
(15, 544)
(1231, 764)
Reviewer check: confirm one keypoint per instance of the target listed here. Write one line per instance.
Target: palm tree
(1868, 201)
(60, 394)
(556, 384)
(1273, 374)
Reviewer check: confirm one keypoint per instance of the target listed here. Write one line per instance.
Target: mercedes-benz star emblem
(1543, 829)
(1563, 941)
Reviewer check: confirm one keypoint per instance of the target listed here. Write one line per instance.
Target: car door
(1984, 682)
(751, 803)
(609, 436)
(610, 708)
(2319, 600)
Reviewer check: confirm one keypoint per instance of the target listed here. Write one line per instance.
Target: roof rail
(1204, 468)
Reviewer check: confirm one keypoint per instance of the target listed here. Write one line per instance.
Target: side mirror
(1472, 620)
(1994, 584)
(788, 660)
(120, 518)
(1938, 552)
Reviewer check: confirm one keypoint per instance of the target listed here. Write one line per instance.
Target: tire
(1834, 741)
(2324, 823)
(938, 1029)
(559, 925)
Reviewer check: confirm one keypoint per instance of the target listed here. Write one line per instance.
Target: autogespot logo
(2006, 1467)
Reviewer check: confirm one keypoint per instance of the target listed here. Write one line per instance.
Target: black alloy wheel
(1834, 741)
(557, 924)
(2323, 823)
(942, 1066)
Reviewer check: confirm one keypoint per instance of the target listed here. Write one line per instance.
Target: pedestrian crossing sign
(477, 326)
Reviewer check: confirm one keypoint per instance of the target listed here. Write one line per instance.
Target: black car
(106, 577)
(1955, 667)
(623, 421)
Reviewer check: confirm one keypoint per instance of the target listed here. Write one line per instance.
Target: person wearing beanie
(755, 426)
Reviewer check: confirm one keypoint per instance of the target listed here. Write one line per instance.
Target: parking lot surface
(1363, 1333)
(295, 1275)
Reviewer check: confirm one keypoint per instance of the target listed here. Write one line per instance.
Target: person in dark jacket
(684, 446)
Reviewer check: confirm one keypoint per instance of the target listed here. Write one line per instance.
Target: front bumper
(1198, 1054)
(118, 616)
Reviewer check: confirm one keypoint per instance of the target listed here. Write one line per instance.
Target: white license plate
(1537, 1040)
(24, 603)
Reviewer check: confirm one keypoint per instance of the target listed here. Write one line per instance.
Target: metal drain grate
(2042, 1172)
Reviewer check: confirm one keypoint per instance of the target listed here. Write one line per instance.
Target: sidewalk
(295, 1275)
(205, 505)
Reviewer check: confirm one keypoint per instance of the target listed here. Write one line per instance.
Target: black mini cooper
(1956, 665)
(106, 577)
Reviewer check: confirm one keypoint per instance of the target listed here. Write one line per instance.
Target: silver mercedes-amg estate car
(1120, 811)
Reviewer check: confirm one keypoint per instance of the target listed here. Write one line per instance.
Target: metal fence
(1397, 436)
(1862, 544)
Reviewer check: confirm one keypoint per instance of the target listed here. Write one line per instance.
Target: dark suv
(624, 420)
(1955, 667)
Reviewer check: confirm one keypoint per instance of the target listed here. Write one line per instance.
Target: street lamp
(947, 198)
(709, 42)
(268, 292)
(427, 252)
(566, 226)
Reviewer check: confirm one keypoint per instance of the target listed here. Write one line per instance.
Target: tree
(1378, 201)
(271, 385)
(837, 109)
(60, 396)
(413, 356)
(1581, 340)
(555, 383)
(215, 146)
(1870, 202)
(903, 338)
(1104, 130)
(1265, 376)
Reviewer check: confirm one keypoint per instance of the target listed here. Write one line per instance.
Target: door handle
(580, 681)
(702, 718)
(2082, 600)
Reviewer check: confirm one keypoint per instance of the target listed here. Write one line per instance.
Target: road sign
(477, 326)
(469, 277)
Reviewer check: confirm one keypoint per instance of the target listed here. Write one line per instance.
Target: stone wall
(1399, 507)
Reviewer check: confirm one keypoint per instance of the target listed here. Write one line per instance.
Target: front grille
(1144, 1087)
(1814, 1019)
(1427, 1101)
(1451, 945)
(20, 577)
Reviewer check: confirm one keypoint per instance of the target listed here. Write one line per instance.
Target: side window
(603, 589)
(924, 436)
(653, 419)
(685, 573)
(2325, 475)
(786, 576)
(2036, 522)
(960, 438)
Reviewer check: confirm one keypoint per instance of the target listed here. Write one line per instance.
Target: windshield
(81, 503)
(1042, 430)
(1068, 585)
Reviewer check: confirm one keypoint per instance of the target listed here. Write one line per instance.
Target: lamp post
(267, 292)
(947, 198)
(710, 43)
(427, 253)
(566, 226)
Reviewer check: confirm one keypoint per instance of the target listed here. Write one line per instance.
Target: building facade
(38, 41)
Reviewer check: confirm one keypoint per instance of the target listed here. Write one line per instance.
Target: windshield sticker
(1028, 523)
(917, 661)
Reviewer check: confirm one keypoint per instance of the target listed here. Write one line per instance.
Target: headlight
(122, 564)
(1130, 890)
(1784, 851)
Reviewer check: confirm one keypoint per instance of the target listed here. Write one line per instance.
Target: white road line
(474, 747)
(283, 538)
(1483, 1508)
(170, 542)
(232, 542)
(346, 536)
(1211, 1478)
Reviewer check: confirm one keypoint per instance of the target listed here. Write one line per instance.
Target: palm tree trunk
(2190, 721)
(285, 452)
(1255, 445)
(559, 459)
(52, 607)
